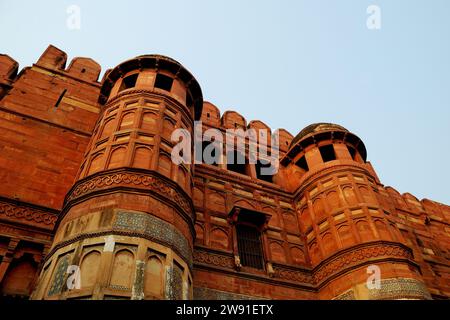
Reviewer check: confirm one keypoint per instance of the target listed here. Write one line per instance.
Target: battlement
(85, 69)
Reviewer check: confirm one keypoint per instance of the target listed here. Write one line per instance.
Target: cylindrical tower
(355, 250)
(127, 226)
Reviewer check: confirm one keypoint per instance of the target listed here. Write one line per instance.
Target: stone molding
(135, 179)
(27, 214)
(353, 257)
(222, 260)
(329, 268)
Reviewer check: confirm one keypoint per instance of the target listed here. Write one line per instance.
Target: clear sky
(286, 63)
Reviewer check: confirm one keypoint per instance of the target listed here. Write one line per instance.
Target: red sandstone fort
(88, 181)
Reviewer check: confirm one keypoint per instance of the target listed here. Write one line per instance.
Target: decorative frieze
(27, 214)
(357, 255)
(129, 178)
(291, 274)
(215, 259)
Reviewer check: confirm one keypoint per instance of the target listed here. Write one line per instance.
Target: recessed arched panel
(97, 163)
(328, 243)
(305, 218)
(290, 222)
(164, 165)
(345, 235)
(366, 195)
(168, 127)
(277, 252)
(364, 230)
(333, 200)
(108, 128)
(199, 233)
(123, 270)
(117, 158)
(149, 121)
(298, 256)
(198, 197)
(219, 239)
(314, 253)
(383, 232)
(89, 269)
(142, 157)
(319, 210)
(350, 195)
(274, 219)
(397, 236)
(127, 121)
(154, 278)
(215, 201)
(182, 177)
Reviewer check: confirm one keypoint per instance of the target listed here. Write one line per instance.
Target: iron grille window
(249, 246)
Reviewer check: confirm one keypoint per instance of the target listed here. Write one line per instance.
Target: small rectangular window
(163, 82)
(352, 152)
(129, 82)
(327, 153)
(302, 163)
(259, 166)
(236, 162)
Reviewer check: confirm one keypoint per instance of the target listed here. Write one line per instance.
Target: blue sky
(286, 63)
